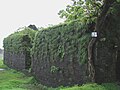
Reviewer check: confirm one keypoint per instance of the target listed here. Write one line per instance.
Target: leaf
(118, 0)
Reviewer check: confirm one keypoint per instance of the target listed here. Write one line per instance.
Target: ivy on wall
(59, 54)
(64, 39)
(17, 48)
(19, 41)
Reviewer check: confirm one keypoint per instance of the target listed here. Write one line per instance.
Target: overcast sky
(19, 13)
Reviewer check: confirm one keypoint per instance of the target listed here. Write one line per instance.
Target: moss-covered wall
(59, 55)
(17, 48)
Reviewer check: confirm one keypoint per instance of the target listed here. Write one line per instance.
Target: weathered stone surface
(67, 73)
(17, 60)
(51, 70)
(59, 56)
(17, 49)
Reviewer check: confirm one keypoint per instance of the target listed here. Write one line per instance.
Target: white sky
(19, 13)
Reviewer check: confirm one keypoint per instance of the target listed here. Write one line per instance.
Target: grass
(106, 86)
(13, 80)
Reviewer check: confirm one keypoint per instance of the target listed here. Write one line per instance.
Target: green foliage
(118, 0)
(13, 80)
(84, 10)
(1, 64)
(83, 49)
(19, 41)
(54, 69)
(57, 50)
(67, 39)
(105, 86)
(115, 9)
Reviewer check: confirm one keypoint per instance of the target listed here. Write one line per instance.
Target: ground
(14, 80)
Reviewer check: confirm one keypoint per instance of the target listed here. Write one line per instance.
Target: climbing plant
(19, 40)
(89, 11)
(58, 52)
(17, 48)
(61, 40)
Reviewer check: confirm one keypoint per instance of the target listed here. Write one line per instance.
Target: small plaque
(94, 34)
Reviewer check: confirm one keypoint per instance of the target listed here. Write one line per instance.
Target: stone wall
(16, 61)
(17, 48)
(60, 55)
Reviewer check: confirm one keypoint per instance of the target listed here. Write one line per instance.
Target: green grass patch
(11, 79)
(1, 64)
(14, 80)
(106, 86)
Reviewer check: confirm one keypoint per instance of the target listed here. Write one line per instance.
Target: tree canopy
(86, 11)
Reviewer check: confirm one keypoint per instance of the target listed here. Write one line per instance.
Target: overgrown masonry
(59, 53)
(17, 48)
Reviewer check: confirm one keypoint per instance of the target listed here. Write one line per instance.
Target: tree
(88, 11)
(84, 10)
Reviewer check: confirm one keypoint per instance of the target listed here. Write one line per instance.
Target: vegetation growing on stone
(20, 40)
(61, 40)
(60, 54)
(17, 48)
(61, 50)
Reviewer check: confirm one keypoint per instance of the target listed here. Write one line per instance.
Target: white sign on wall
(94, 34)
